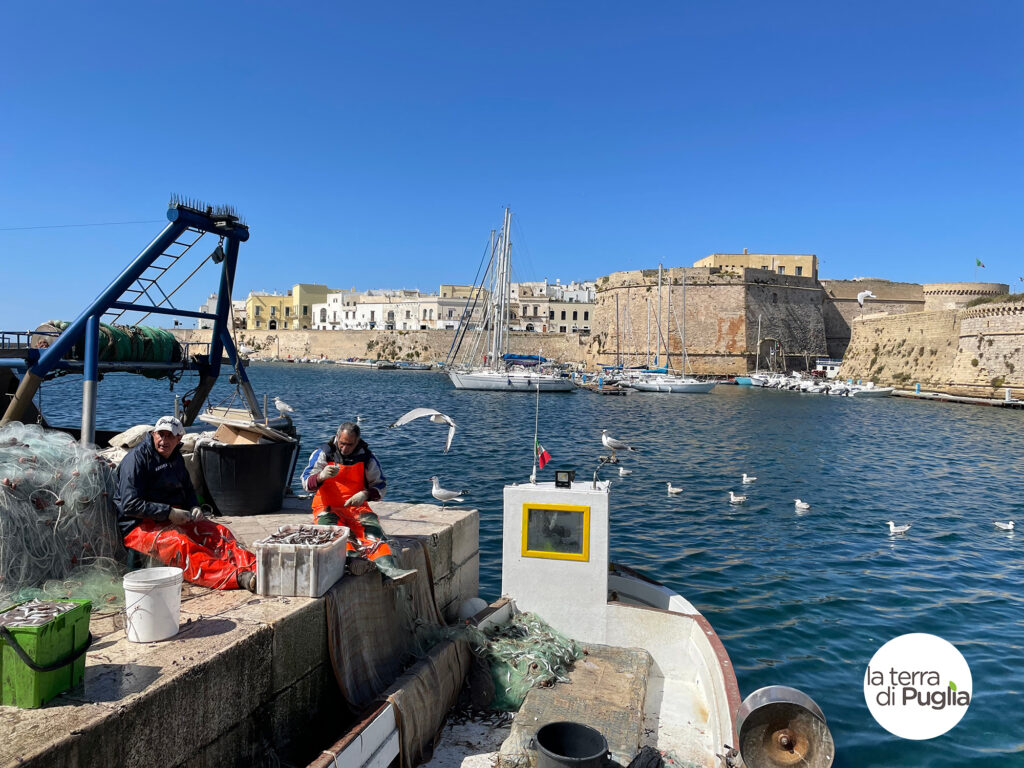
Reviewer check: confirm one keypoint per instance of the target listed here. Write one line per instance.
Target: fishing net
(523, 653)
(58, 536)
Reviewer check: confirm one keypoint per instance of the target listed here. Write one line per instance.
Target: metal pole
(89, 380)
(618, 360)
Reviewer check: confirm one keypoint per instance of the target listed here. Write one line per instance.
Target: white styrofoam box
(300, 570)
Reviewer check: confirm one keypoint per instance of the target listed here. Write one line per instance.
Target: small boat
(870, 390)
(673, 384)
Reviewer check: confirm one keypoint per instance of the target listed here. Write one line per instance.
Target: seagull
(282, 406)
(672, 490)
(893, 528)
(865, 295)
(623, 471)
(1004, 526)
(747, 478)
(444, 496)
(734, 499)
(615, 445)
(435, 416)
(359, 418)
(801, 504)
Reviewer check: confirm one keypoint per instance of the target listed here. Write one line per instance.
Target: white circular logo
(918, 686)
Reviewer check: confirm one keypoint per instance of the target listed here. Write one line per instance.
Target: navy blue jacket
(148, 485)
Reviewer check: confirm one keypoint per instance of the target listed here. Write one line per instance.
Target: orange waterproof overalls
(207, 552)
(365, 534)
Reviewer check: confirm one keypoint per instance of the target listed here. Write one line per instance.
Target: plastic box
(300, 570)
(47, 644)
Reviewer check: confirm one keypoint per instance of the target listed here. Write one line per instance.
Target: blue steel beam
(162, 310)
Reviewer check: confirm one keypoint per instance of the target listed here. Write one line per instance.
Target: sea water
(798, 598)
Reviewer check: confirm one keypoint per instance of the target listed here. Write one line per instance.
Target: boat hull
(495, 381)
(681, 386)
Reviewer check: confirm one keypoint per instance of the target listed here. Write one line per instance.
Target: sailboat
(498, 370)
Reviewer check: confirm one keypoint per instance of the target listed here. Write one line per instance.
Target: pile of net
(523, 653)
(58, 535)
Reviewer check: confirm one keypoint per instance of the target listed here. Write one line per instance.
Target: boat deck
(246, 681)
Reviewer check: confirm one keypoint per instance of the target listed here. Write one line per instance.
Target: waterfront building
(210, 306)
(290, 311)
(797, 264)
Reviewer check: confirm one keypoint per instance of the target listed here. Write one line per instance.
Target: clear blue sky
(375, 144)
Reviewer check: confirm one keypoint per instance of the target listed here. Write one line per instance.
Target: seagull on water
(443, 495)
(672, 490)
(359, 418)
(736, 498)
(747, 478)
(435, 416)
(893, 528)
(1004, 526)
(623, 472)
(865, 295)
(801, 504)
(282, 407)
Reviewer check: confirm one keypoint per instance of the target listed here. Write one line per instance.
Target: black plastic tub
(570, 745)
(248, 479)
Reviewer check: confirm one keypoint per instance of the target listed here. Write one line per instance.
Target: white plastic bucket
(152, 604)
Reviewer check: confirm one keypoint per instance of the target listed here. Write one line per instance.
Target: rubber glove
(179, 516)
(328, 472)
(357, 499)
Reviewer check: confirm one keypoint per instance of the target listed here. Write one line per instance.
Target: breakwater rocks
(418, 346)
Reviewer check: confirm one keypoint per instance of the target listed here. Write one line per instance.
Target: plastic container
(152, 603)
(248, 479)
(570, 745)
(63, 639)
(300, 570)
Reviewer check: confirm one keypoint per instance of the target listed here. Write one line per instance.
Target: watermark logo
(918, 686)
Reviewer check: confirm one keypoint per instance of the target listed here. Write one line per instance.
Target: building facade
(796, 264)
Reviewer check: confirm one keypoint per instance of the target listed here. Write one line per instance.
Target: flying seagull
(672, 490)
(443, 495)
(747, 478)
(893, 528)
(865, 295)
(1004, 526)
(801, 504)
(623, 471)
(435, 416)
(736, 499)
(282, 406)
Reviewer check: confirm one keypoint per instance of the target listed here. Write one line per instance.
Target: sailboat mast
(507, 283)
(682, 331)
(757, 351)
(648, 331)
(657, 357)
(668, 323)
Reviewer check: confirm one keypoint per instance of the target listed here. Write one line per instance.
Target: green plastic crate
(63, 638)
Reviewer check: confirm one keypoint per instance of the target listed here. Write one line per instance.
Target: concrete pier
(247, 681)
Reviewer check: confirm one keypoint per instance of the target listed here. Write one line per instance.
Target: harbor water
(800, 598)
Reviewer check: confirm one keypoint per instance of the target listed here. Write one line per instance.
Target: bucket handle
(7, 636)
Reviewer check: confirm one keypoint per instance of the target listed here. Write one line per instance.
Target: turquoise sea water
(802, 600)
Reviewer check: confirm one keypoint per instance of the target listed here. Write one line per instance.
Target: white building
(210, 306)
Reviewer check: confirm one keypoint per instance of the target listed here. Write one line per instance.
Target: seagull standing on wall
(443, 495)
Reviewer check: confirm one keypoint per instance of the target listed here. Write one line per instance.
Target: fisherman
(345, 475)
(158, 515)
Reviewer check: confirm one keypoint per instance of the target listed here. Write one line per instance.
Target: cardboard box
(236, 435)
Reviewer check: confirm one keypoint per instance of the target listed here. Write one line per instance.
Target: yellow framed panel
(556, 531)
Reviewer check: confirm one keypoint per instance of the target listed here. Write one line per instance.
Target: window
(586, 315)
(305, 309)
(371, 315)
(286, 325)
(563, 314)
(535, 308)
(574, 313)
(323, 315)
(258, 308)
(561, 329)
(408, 315)
(782, 270)
(551, 314)
(287, 311)
(799, 270)
(257, 322)
(273, 311)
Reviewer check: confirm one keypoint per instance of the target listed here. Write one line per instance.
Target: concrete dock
(246, 681)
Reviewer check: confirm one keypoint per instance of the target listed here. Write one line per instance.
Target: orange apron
(365, 532)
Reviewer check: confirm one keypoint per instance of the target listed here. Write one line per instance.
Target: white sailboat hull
(674, 385)
(509, 382)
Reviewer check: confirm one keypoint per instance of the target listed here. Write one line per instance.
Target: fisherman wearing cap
(158, 515)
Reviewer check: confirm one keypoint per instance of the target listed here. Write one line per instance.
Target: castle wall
(841, 307)
(977, 352)
(940, 296)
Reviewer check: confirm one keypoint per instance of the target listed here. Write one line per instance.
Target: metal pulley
(781, 727)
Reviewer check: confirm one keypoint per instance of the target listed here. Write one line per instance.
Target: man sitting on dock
(345, 475)
(158, 515)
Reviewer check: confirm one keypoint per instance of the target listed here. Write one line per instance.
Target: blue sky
(375, 144)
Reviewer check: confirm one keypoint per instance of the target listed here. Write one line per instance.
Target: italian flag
(979, 264)
(543, 457)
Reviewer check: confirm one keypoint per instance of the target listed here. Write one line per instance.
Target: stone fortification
(939, 296)
(977, 352)
(841, 308)
(421, 346)
(720, 322)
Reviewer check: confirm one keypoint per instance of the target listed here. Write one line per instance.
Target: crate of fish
(42, 650)
(301, 560)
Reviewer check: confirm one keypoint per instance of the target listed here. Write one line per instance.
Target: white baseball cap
(169, 424)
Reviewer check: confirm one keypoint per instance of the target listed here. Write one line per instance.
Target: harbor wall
(841, 307)
(420, 346)
(976, 352)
